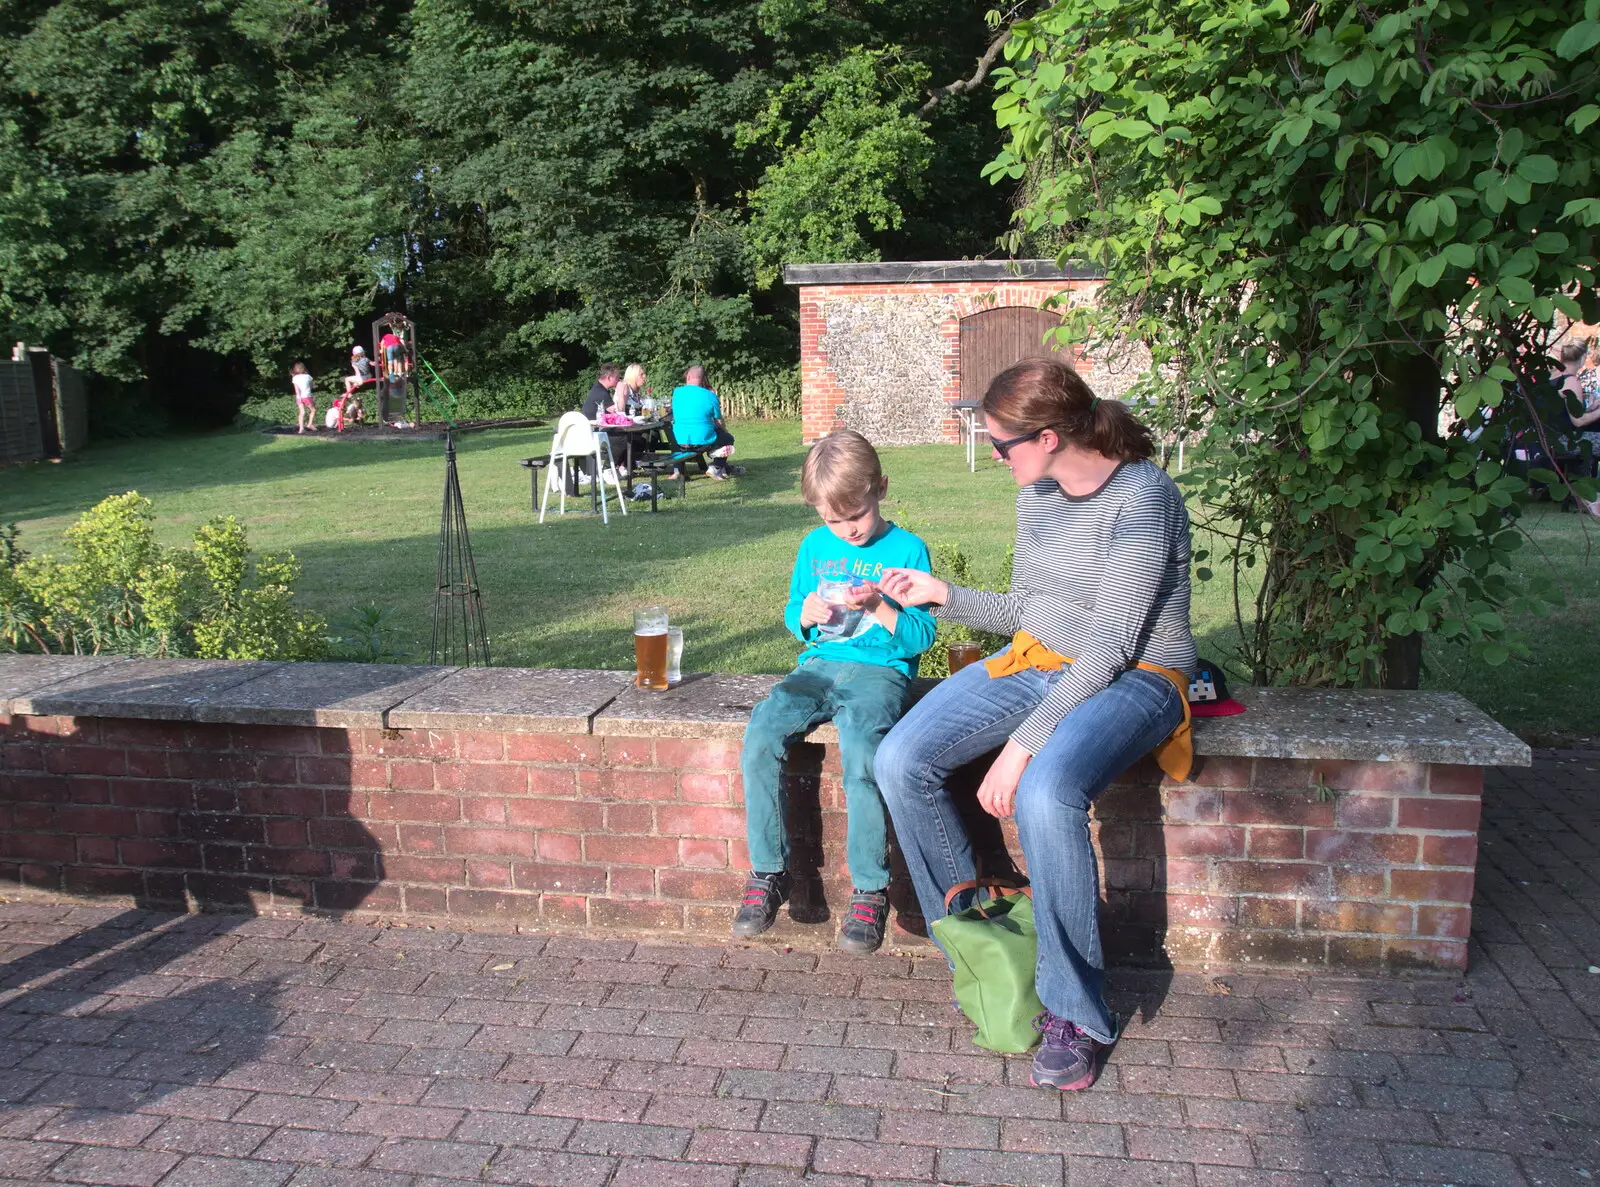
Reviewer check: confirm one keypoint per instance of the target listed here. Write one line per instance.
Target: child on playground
(305, 402)
(360, 369)
(859, 659)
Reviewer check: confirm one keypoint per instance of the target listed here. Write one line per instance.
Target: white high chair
(577, 438)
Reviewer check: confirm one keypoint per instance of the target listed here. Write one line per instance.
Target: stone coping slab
(1304, 723)
(21, 675)
(339, 696)
(702, 706)
(562, 700)
(160, 689)
(1366, 725)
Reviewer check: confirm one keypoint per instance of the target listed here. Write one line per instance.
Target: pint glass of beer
(962, 654)
(650, 647)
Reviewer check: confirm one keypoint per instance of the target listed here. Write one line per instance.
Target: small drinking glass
(674, 655)
(833, 591)
(650, 647)
(962, 654)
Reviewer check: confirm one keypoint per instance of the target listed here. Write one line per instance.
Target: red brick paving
(148, 1049)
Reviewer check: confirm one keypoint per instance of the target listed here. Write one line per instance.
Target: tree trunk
(1414, 385)
(1402, 661)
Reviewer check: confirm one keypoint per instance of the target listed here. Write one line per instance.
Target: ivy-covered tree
(1330, 223)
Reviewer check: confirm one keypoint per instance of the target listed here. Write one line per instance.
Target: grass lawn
(364, 518)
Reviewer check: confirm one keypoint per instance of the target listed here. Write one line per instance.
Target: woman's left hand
(998, 793)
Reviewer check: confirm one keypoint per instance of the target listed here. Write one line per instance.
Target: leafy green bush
(508, 396)
(119, 592)
(367, 636)
(260, 412)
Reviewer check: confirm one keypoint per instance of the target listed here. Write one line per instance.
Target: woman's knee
(892, 765)
(1045, 795)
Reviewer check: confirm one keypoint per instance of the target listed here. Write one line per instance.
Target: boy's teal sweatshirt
(863, 640)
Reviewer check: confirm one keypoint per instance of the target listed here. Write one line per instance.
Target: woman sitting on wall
(1095, 678)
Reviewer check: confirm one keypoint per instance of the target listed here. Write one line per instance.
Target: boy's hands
(863, 597)
(913, 587)
(814, 611)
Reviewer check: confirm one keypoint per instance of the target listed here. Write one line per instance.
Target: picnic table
(634, 450)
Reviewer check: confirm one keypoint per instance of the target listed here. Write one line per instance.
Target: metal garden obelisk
(459, 633)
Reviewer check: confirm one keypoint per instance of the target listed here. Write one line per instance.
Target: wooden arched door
(994, 339)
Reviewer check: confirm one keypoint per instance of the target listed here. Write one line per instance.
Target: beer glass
(962, 654)
(674, 655)
(650, 647)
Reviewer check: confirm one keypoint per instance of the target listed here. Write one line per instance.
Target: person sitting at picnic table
(602, 399)
(630, 392)
(599, 398)
(697, 421)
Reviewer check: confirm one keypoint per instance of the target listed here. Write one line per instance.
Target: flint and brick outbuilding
(888, 349)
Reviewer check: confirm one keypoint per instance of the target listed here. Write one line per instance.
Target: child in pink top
(305, 401)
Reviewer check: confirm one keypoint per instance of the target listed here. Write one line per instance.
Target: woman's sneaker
(862, 930)
(763, 895)
(1068, 1059)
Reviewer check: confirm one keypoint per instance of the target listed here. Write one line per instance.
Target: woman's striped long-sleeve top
(1102, 577)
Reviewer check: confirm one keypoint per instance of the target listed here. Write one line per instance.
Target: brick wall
(1257, 862)
(825, 393)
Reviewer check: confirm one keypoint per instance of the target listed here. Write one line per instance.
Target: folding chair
(576, 438)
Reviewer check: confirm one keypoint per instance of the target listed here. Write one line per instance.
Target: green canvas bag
(994, 948)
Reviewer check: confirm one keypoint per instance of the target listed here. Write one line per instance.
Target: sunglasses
(1004, 445)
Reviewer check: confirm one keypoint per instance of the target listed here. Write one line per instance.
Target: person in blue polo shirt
(697, 420)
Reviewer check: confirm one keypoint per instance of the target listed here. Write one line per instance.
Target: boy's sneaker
(763, 895)
(1068, 1059)
(716, 472)
(862, 930)
(733, 469)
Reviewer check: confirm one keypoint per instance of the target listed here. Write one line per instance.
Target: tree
(1328, 225)
(629, 165)
(194, 191)
(191, 184)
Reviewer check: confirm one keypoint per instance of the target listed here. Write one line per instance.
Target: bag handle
(976, 883)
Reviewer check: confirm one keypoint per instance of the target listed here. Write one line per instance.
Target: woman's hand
(913, 587)
(814, 611)
(998, 792)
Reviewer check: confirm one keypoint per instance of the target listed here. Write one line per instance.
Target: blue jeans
(969, 715)
(863, 701)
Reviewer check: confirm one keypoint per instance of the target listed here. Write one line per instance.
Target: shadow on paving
(142, 1003)
(113, 1035)
(611, 1062)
